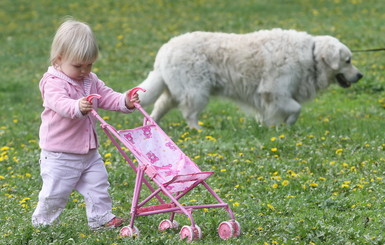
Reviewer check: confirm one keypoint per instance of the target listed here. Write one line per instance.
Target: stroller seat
(163, 159)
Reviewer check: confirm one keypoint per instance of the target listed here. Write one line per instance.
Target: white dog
(269, 72)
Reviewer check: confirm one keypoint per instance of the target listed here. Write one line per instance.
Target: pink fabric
(63, 127)
(151, 146)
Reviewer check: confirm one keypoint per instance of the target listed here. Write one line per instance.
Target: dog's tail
(154, 86)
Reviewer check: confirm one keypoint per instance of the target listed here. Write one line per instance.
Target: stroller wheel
(226, 230)
(167, 224)
(127, 231)
(190, 233)
(237, 228)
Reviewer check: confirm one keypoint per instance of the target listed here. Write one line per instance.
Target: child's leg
(93, 185)
(59, 176)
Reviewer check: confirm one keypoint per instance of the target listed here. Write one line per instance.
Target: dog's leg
(162, 105)
(292, 110)
(191, 109)
(283, 110)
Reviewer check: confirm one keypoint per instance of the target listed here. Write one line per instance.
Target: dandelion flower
(313, 185)
(285, 182)
(270, 206)
(339, 151)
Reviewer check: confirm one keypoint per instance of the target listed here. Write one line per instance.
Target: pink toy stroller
(174, 174)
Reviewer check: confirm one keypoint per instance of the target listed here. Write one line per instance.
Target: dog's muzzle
(345, 83)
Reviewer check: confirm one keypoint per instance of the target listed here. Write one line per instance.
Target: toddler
(69, 157)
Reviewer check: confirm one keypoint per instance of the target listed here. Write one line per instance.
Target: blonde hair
(74, 41)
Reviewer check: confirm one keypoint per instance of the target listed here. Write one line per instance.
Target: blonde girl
(69, 157)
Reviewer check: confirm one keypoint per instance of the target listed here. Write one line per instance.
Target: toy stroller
(174, 174)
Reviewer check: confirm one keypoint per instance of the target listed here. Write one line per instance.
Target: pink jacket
(63, 127)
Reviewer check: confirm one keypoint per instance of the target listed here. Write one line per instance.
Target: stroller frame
(226, 229)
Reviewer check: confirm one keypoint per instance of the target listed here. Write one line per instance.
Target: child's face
(75, 70)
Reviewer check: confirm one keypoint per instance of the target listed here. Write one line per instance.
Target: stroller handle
(90, 97)
(133, 91)
(130, 94)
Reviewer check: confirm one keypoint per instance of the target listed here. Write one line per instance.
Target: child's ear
(59, 60)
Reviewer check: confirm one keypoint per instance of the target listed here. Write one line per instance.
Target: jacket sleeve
(56, 96)
(111, 100)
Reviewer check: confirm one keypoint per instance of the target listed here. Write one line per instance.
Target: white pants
(61, 174)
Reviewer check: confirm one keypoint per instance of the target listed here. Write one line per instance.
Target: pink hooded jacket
(63, 127)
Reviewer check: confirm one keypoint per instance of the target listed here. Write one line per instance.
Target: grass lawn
(320, 181)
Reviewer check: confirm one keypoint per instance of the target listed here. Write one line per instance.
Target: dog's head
(338, 59)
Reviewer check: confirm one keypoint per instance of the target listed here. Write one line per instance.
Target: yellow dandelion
(313, 185)
(270, 206)
(236, 204)
(285, 182)
(24, 200)
(211, 138)
(275, 186)
(339, 151)
(274, 149)
(4, 148)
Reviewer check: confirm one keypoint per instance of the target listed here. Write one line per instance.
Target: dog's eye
(348, 61)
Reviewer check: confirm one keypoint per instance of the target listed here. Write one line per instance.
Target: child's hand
(84, 106)
(130, 101)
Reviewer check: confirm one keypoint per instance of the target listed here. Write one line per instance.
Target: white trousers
(61, 174)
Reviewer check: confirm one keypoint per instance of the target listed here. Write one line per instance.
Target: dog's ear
(326, 47)
(332, 57)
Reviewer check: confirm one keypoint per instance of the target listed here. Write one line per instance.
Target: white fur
(270, 72)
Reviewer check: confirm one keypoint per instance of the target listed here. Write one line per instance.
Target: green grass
(318, 182)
